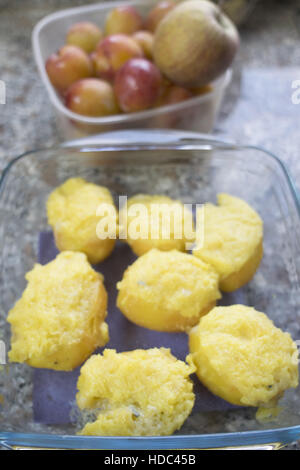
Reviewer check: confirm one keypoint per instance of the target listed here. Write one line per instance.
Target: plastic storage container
(182, 165)
(196, 114)
(237, 10)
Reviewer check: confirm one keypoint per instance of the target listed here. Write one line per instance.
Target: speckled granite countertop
(258, 108)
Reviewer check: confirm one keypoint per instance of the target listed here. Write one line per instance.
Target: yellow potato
(242, 357)
(167, 290)
(156, 222)
(72, 214)
(230, 239)
(136, 393)
(59, 320)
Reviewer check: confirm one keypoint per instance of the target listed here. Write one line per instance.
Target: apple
(67, 66)
(137, 85)
(85, 35)
(145, 40)
(91, 97)
(123, 19)
(175, 94)
(158, 13)
(195, 43)
(113, 52)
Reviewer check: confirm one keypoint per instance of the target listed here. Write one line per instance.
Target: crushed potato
(242, 357)
(167, 290)
(136, 393)
(230, 238)
(59, 320)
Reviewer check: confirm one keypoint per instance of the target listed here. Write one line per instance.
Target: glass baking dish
(196, 114)
(189, 166)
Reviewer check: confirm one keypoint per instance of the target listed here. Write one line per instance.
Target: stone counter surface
(258, 108)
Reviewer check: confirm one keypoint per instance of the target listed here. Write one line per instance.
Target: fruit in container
(172, 94)
(60, 318)
(175, 94)
(91, 97)
(131, 60)
(158, 13)
(145, 40)
(202, 90)
(195, 43)
(137, 85)
(113, 52)
(85, 35)
(123, 19)
(67, 66)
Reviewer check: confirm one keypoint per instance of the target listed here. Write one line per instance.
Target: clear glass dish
(188, 166)
(196, 114)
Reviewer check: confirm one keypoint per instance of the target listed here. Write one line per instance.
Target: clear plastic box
(186, 166)
(237, 10)
(196, 114)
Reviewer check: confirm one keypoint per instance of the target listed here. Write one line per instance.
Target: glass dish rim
(193, 141)
(221, 82)
(282, 435)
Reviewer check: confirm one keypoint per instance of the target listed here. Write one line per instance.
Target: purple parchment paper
(54, 391)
